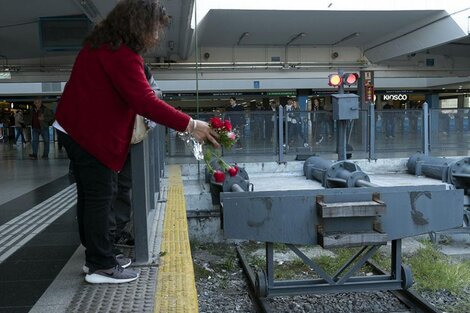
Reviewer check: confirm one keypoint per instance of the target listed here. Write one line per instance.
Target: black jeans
(122, 205)
(96, 189)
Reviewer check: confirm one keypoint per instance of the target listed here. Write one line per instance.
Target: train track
(262, 306)
(413, 301)
(408, 297)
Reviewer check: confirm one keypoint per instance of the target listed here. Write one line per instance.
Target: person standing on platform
(291, 118)
(298, 125)
(389, 121)
(41, 119)
(237, 118)
(121, 219)
(95, 120)
(19, 126)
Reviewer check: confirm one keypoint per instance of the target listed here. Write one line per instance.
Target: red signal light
(334, 80)
(350, 78)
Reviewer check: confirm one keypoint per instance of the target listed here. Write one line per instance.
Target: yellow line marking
(176, 289)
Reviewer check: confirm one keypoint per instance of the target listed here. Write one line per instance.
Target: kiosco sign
(395, 97)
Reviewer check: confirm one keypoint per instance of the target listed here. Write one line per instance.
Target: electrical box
(345, 106)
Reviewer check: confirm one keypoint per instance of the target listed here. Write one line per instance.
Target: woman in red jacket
(95, 119)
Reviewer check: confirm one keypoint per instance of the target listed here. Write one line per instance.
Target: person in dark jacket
(389, 120)
(41, 118)
(108, 79)
(237, 118)
(19, 126)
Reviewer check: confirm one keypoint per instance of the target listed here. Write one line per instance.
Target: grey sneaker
(123, 261)
(115, 275)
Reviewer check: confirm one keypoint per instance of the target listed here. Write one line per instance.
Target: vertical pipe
(196, 56)
(281, 158)
(372, 131)
(342, 135)
(425, 129)
(396, 259)
(270, 264)
(150, 155)
(157, 146)
(341, 86)
(286, 131)
(342, 127)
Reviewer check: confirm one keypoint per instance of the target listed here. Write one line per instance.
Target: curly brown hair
(134, 23)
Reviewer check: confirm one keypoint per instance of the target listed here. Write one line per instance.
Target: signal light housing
(335, 80)
(350, 78)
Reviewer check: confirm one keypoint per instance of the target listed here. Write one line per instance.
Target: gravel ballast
(222, 287)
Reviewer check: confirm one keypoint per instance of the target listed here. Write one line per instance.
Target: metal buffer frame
(454, 171)
(338, 174)
(237, 183)
(339, 217)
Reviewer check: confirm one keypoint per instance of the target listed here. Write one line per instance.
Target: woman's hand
(202, 132)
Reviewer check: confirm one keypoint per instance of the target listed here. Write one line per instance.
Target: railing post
(140, 200)
(162, 149)
(171, 142)
(158, 145)
(425, 128)
(281, 158)
(152, 167)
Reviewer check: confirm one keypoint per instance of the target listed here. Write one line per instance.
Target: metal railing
(376, 134)
(147, 161)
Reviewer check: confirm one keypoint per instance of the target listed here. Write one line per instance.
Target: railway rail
(412, 300)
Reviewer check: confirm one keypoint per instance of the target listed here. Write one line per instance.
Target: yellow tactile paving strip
(176, 289)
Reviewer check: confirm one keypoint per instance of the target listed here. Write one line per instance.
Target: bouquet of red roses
(227, 138)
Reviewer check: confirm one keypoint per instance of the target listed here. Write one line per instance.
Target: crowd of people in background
(28, 125)
(258, 120)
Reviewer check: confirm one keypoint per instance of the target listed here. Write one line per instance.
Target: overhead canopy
(381, 34)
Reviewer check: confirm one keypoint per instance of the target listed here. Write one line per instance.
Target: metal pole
(196, 56)
(150, 155)
(342, 128)
(281, 158)
(157, 146)
(372, 131)
(270, 263)
(396, 259)
(425, 129)
(139, 166)
(342, 133)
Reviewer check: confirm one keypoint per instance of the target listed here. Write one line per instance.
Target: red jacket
(99, 103)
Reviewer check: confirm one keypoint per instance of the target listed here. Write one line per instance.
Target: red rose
(219, 176)
(233, 170)
(228, 125)
(216, 122)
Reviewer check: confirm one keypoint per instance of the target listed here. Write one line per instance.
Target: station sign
(281, 93)
(395, 97)
(226, 94)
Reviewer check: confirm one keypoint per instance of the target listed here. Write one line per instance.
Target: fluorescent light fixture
(299, 35)
(89, 9)
(351, 36)
(242, 36)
